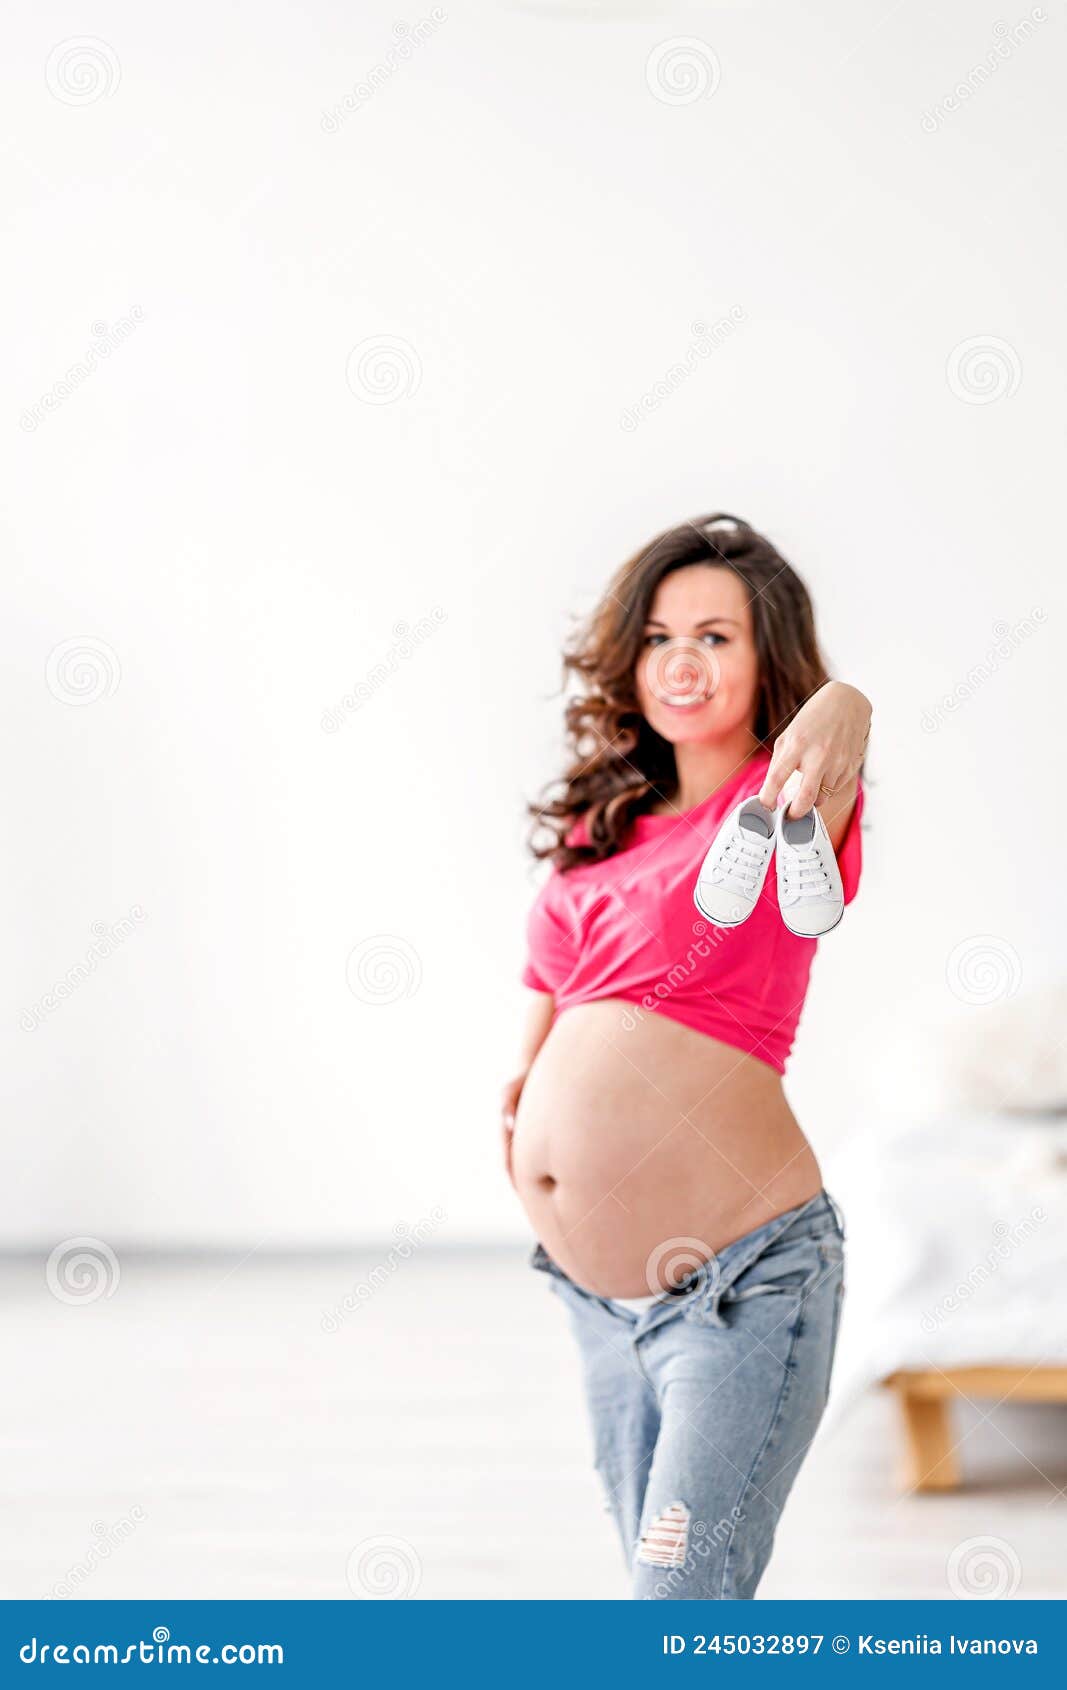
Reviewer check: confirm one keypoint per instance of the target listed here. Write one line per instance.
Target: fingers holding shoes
(823, 747)
(801, 776)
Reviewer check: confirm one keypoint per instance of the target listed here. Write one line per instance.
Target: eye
(710, 638)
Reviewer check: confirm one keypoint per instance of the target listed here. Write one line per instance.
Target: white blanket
(956, 1250)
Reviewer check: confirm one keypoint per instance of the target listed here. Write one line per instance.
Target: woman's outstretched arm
(824, 744)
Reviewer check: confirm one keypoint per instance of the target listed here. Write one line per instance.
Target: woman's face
(697, 676)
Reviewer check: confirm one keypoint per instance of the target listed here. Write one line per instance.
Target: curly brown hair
(621, 765)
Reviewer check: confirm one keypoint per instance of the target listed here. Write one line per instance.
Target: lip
(697, 704)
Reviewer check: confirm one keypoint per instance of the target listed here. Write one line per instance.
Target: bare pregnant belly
(640, 1150)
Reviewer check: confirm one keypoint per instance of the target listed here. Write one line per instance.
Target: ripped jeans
(704, 1404)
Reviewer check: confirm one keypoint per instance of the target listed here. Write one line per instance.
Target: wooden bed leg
(930, 1461)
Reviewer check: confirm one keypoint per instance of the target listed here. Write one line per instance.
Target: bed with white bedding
(956, 1247)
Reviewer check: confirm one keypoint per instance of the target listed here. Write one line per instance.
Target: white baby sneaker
(732, 874)
(810, 894)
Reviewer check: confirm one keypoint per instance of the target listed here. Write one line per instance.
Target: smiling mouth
(687, 703)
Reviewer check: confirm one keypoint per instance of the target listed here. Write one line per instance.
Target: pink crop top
(627, 928)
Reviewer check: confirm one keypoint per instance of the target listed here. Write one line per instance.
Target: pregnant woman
(679, 1208)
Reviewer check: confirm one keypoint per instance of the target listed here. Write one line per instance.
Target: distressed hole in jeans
(667, 1538)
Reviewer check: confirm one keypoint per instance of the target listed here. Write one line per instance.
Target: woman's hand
(542, 1009)
(509, 1103)
(824, 743)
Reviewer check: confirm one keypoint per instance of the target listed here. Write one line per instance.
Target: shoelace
(804, 872)
(740, 864)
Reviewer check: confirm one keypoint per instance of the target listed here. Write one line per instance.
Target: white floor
(199, 1434)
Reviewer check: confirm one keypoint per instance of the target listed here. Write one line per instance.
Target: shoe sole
(714, 919)
(821, 935)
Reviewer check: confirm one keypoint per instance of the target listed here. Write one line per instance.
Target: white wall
(238, 534)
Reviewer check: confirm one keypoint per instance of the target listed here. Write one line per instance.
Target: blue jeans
(703, 1406)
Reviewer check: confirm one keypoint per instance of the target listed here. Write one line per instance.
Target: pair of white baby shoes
(810, 895)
